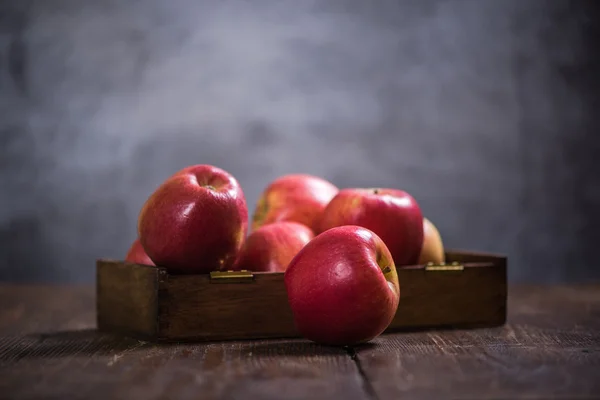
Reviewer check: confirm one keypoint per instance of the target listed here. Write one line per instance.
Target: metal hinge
(242, 276)
(454, 266)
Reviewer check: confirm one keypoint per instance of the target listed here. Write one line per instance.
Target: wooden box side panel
(194, 308)
(148, 303)
(127, 298)
(473, 297)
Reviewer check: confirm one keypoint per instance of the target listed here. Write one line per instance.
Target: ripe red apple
(195, 222)
(271, 247)
(137, 254)
(296, 197)
(343, 287)
(433, 246)
(392, 214)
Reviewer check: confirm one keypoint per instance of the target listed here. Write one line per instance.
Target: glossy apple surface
(296, 197)
(433, 246)
(195, 221)
(343, 287)
(271, 247)
(394, 215)
(137, 255)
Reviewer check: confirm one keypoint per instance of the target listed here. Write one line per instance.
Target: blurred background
(486, 111)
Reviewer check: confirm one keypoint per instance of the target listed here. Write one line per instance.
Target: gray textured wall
(484, 110)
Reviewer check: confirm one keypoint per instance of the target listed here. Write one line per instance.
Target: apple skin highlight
(394, 215)
(195, 221)
(343, 287)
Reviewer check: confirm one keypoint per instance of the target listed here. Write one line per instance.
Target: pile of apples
(338, 248)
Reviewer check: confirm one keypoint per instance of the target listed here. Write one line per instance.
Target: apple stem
(375, 191)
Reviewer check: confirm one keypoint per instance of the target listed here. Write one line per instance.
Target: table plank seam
(366, 384)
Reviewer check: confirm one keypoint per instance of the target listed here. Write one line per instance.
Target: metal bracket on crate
(242, 276)
(454, 266)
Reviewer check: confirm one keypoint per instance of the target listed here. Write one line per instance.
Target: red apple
(343, 287)
(392, 214)
(137, 254)
(296, 197)
(271, 247)
(433, 246)
(195, 222)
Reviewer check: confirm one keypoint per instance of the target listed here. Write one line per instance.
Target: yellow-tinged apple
(433, 246)
(297, 198)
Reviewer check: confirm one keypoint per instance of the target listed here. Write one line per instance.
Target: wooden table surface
(550, 348)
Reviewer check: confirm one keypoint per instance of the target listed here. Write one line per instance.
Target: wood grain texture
(123, 309)
(196, 309)
(148, 303)
(50, 349)
(473, 297)
(88, 365)
(550, 348)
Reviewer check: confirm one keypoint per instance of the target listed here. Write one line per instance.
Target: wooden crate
(148, 303)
